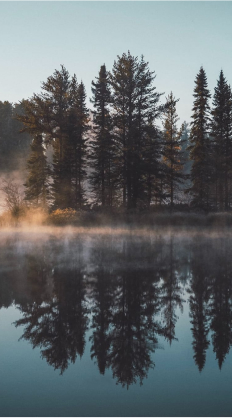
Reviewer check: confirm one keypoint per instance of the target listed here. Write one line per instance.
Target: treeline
(129, 151)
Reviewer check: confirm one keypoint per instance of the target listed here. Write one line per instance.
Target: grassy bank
(116, 218)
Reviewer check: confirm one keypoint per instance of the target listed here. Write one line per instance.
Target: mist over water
(107, 310)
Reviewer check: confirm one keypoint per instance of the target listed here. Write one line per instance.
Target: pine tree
(101, 155)
(59, 114)
(135, 108)
(200, 150)
(221, 131)
(147, 167)
(46, 114)
(55, 101)
(78, 126)
(37, 185)
(123, 85)
(172, 148)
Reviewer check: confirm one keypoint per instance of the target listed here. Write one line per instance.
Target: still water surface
(115, 324)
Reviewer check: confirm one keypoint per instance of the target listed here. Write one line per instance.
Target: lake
(115, 322)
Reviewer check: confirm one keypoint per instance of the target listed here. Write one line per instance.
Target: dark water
(115, 324)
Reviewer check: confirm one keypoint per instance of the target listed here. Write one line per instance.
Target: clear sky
(175, 37)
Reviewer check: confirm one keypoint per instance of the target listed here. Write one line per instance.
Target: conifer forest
(129, 151)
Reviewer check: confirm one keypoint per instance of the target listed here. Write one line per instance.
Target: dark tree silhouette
(170, 292)
(199, 301)
(200, 149)
(60, 116)
(102, 147)
(134, 333)
(172, 154)
(221, 301)
(221, 131)
(58, 326)
(135, 110)
(102, 294)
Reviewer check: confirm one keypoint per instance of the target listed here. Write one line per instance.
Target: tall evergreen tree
(200, 151)
(46, 114)
(123, 82)
(221, 131)
(148, 167)
(77, 127)
(101, 156)
(172, 148)
(59, 114)
(55, 100)
(135, 107)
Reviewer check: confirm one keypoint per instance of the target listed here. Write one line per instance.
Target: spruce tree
(221, 131)
(101, 155)
(37, 184)
(81, 146)
(77, 128)
(123, 82)
(200, 149)
(172, 148)
(147, 167)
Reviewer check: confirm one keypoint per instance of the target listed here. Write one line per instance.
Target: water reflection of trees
(211, 298)
(58, 325)
(102, 285)
(171, 290)
(221, 301)
(125, 300)
(127, 294)
(135, 329)
(198, 302)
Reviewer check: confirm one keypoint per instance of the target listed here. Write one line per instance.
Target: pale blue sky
(175, 37)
